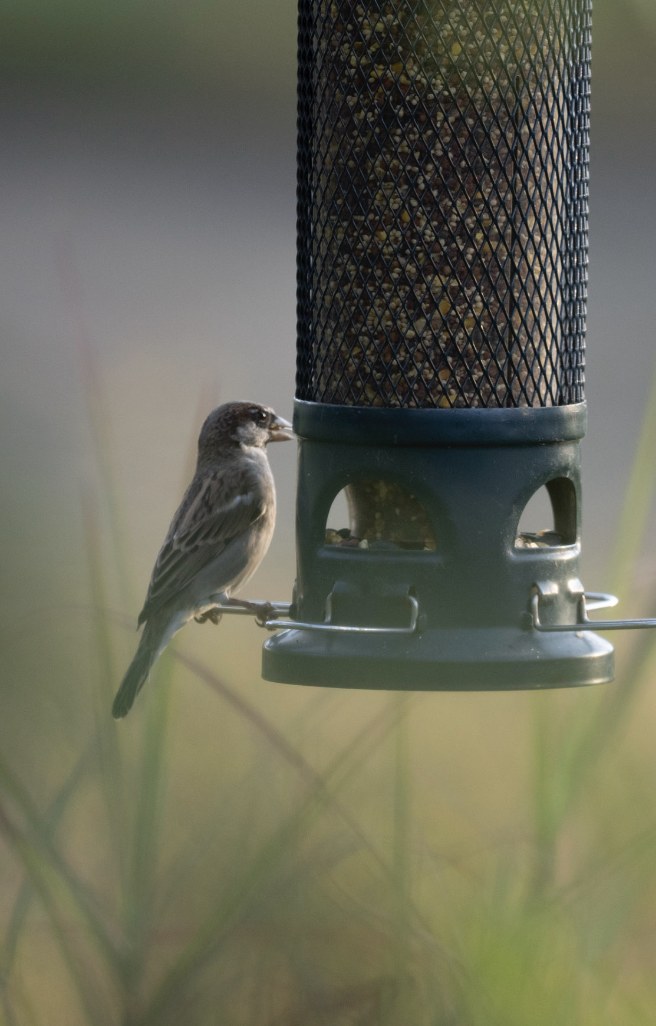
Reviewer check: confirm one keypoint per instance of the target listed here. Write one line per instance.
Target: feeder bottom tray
(480, 659)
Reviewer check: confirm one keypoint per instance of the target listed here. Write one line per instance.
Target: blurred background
(238, 851)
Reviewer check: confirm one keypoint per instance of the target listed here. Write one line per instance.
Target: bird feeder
(442, 274)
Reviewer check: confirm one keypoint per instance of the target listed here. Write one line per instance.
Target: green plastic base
(473, 471)
(471, 659)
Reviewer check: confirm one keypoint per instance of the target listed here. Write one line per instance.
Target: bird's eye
(258, 415)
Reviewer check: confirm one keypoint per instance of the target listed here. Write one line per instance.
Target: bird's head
(241, 425)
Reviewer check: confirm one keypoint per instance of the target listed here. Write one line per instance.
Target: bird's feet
(213, 615)
(262, 611)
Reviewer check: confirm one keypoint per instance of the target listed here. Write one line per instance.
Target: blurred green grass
(249, 854)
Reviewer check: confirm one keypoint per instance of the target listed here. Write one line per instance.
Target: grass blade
(140, 895)
(108, 742)
(44, 848)
(45, 878)
(51, 820)
(638, 502)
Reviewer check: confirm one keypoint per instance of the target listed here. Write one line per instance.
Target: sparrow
(217, 538)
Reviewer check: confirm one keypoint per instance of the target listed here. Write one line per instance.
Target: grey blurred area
(147, 206)
(156, 242)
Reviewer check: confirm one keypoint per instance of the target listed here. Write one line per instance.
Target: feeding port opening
(379, 515)
(549, 519)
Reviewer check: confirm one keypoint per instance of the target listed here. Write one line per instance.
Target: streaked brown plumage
(218, 536)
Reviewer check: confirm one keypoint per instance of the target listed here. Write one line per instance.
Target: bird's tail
(157, 633)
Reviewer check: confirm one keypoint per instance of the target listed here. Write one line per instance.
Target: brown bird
(217, 538)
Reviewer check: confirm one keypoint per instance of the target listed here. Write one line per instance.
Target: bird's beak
(280, 430)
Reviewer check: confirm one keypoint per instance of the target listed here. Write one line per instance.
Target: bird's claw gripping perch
(213, 615)
(263, 611)
(266, 611)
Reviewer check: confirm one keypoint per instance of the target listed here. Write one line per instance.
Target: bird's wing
(215, 510)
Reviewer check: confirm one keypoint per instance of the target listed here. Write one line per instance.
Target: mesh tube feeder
(442, 269)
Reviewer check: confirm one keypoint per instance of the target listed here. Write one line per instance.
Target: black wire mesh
(442, 201)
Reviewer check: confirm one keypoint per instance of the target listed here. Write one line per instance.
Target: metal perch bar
(597, 600)
(284, 609)
(273, 625)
